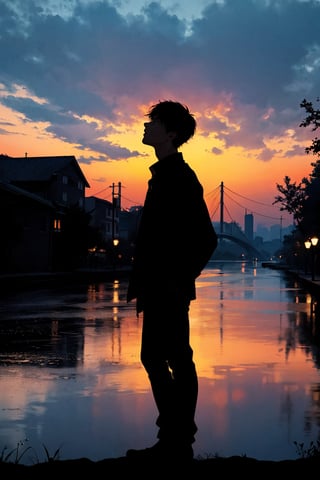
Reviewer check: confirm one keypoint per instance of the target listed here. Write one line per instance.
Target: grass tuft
(307, 452)
(16, 454)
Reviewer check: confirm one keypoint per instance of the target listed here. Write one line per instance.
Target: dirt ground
(197, 468)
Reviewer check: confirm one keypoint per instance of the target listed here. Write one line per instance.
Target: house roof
(19, 192)
(20, 169)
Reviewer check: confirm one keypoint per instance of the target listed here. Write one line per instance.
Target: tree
(292, 198)
(312, 118)
(303, 200)
(311, 206)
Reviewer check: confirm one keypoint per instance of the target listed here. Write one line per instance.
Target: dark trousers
(167, 357)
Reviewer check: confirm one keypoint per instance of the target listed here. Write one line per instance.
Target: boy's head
(176, 118)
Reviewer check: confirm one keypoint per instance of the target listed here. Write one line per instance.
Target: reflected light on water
(71, 374)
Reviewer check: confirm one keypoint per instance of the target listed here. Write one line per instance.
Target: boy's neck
(163, 151)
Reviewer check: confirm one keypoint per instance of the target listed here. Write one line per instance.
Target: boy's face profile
(155, 133)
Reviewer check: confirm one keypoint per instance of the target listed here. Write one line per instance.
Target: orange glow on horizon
(239, 169)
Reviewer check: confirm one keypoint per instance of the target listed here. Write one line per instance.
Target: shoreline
(300, 275)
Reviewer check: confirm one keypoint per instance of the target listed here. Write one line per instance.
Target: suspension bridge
(232, 231)
(216, 204)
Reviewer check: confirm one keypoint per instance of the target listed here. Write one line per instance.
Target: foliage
(302, 200)
(292, 197)
(15, 455)
(312, 118)
(307, 452)
(54, 457)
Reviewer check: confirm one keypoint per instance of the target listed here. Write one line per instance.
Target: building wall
(248, 226)
(25, 244)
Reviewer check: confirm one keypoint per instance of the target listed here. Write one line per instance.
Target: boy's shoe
(162, 451)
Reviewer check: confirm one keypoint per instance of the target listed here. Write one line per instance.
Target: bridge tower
(221, 207)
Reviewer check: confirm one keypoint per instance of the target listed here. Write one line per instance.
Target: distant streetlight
(115, 243)
(307, 244)
(311, 243)
(314, 241)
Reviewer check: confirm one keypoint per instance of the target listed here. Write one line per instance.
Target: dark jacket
(175, 238)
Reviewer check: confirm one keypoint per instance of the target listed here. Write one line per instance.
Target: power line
(249, 199)
(100, 191)
(256, 213)
(212, 199)
(131, 201)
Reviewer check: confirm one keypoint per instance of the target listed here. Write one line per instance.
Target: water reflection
(71, 375)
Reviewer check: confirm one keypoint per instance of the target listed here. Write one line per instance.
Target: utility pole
(116, 205)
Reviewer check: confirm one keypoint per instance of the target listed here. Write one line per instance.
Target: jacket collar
(166, 163)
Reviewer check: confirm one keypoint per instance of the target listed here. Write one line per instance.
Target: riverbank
(301, 276)
(197, 469)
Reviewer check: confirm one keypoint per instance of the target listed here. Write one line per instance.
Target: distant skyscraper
(275, 232)
(248, 226)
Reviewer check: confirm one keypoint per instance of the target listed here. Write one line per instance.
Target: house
(58, 179)
(36, 195)
(104, 217)
(25, 240)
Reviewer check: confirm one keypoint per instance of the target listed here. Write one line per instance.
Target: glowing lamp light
(312, 243)
(307, 244)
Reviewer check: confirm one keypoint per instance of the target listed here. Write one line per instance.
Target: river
(72, 383)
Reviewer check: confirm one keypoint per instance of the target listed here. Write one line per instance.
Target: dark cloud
(255, 46)
(265, 55)
(35, 111)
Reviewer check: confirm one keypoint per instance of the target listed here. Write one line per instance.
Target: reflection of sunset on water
(115, 344)
(78, 381)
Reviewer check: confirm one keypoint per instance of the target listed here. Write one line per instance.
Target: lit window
(57, 225)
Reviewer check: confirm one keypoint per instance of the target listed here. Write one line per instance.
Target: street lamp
(312, 243)
(307, 244)
(115, 243)
(314, 240)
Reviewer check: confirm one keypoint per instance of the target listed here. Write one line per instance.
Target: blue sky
(81, 73)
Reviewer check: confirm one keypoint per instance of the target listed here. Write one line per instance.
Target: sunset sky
(77, 78)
